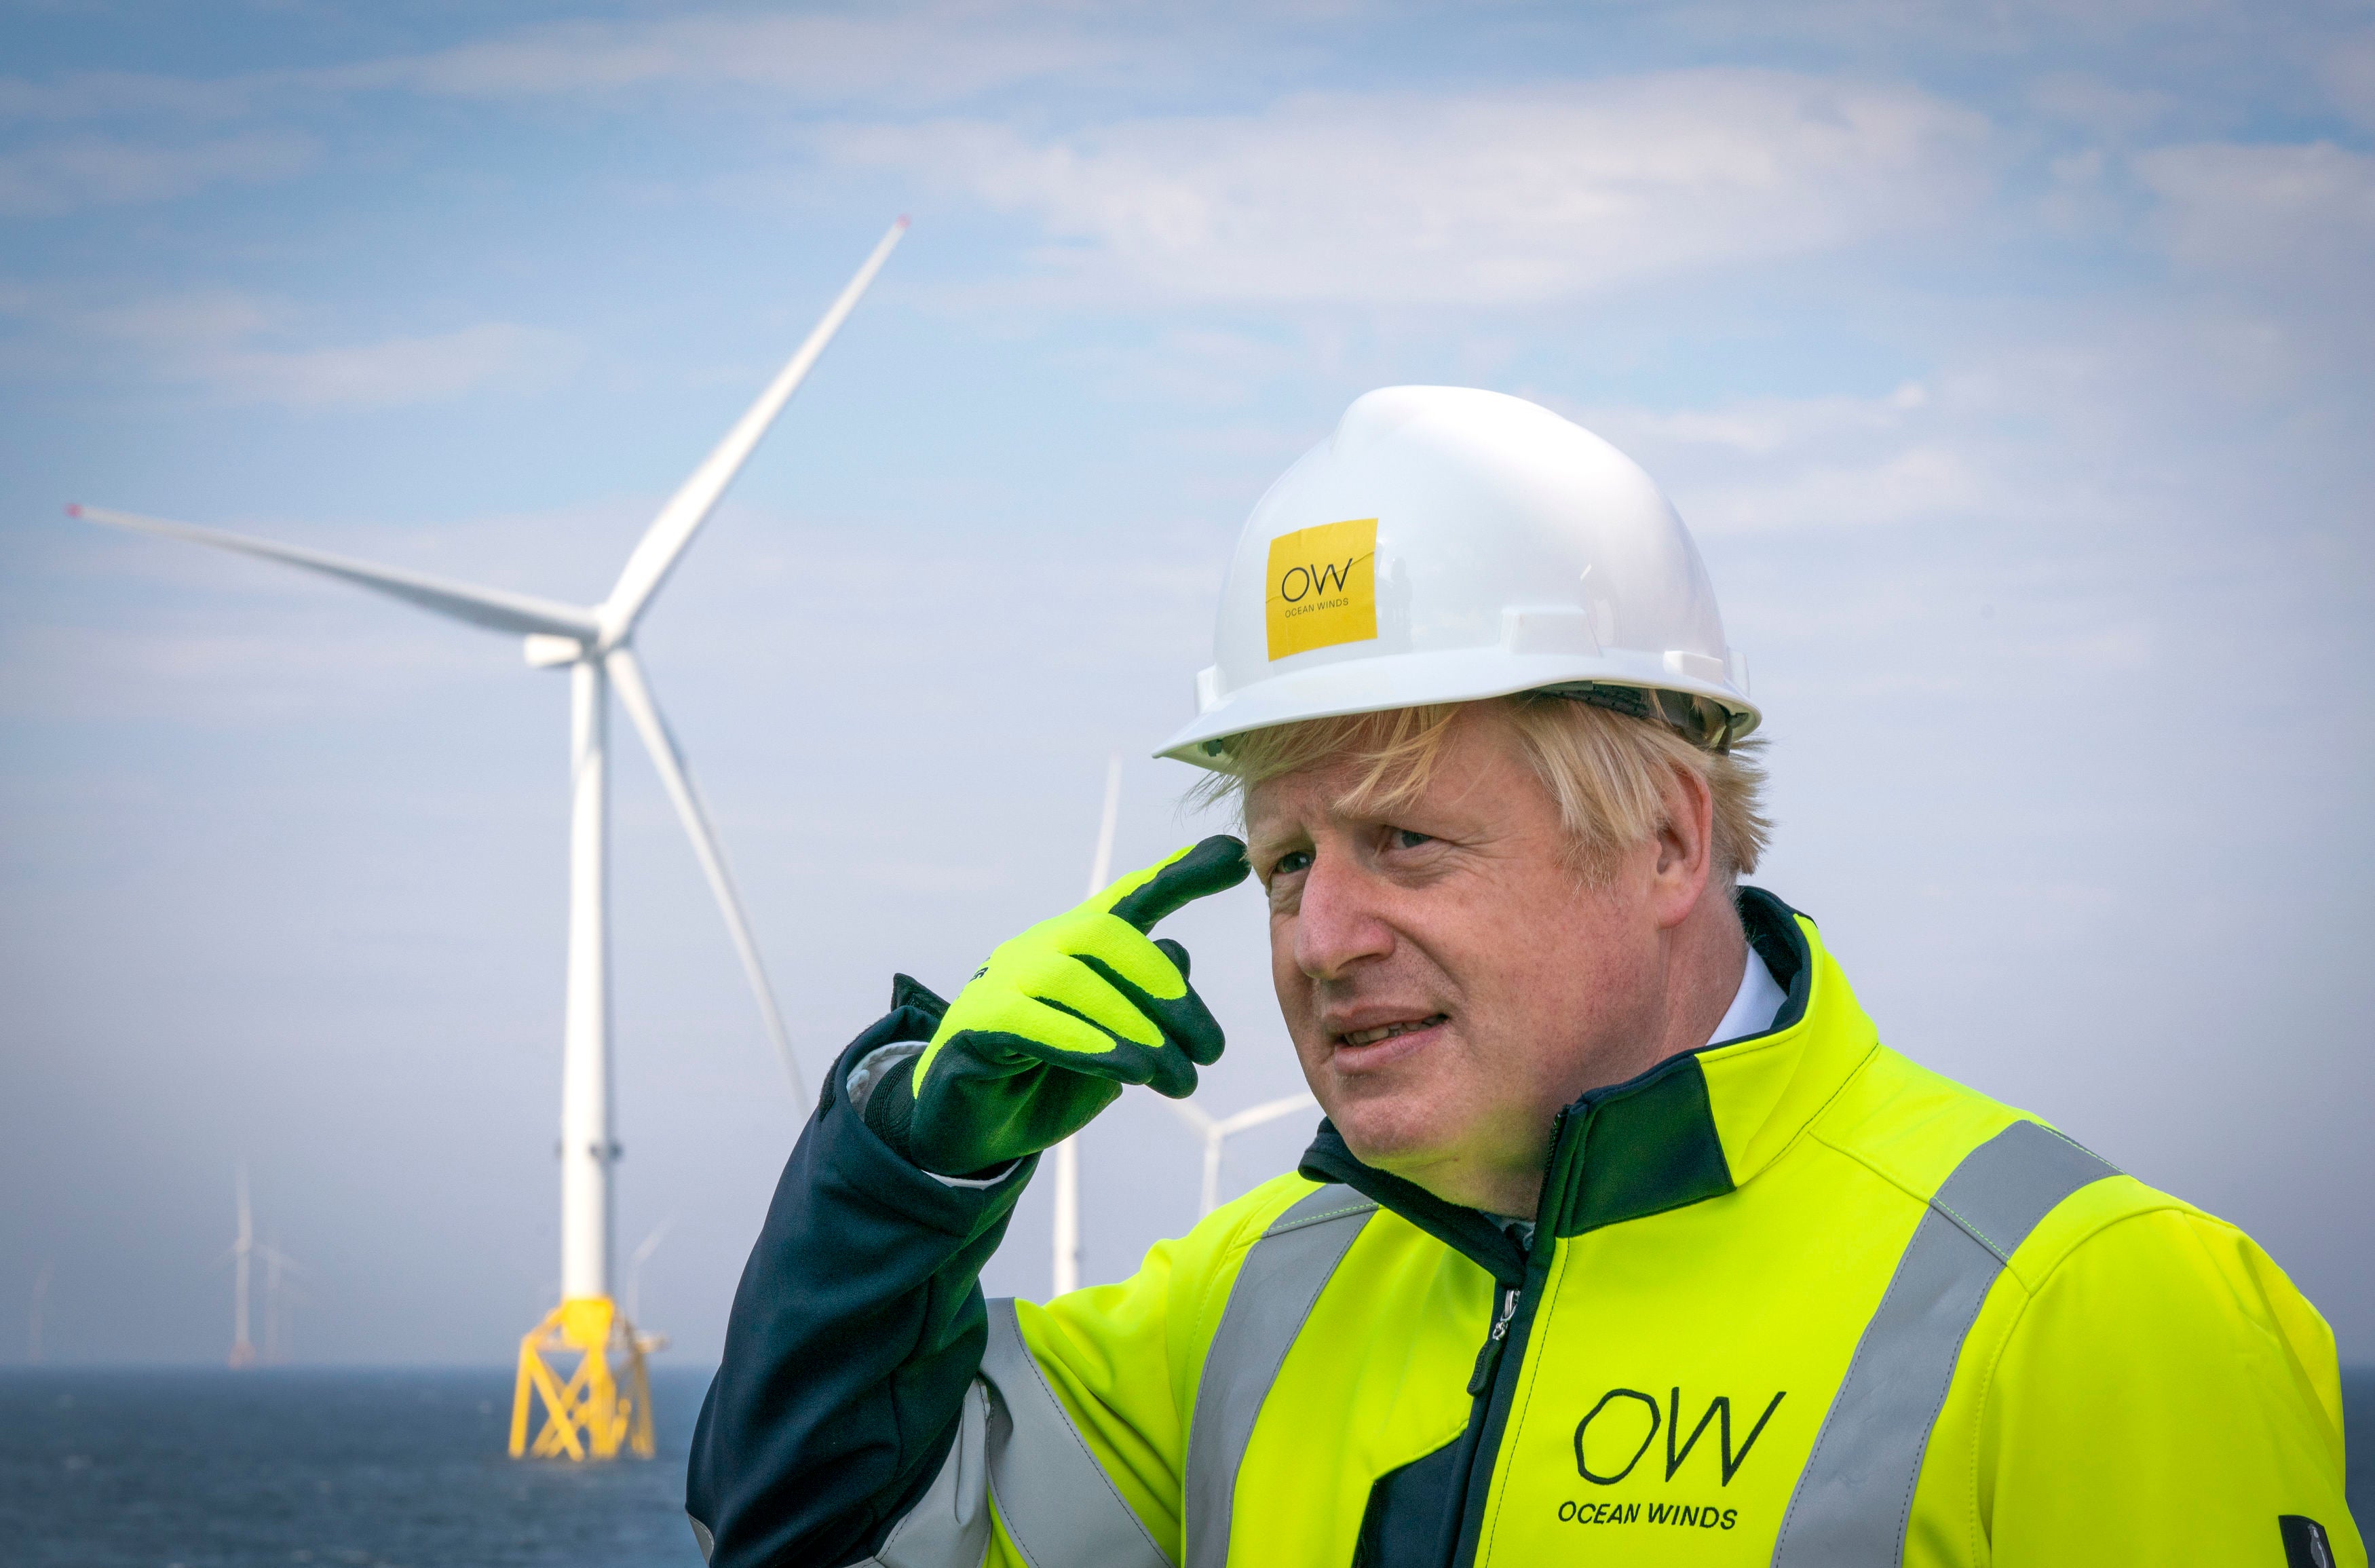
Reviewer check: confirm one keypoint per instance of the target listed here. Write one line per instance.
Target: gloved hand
(1045, 1033)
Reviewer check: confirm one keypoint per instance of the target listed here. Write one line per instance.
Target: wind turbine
(279, 1300)
(1213, 1133)
(1216, 1133)
(242, 1255)
(635, 1261)
(1068, 1153)
(588, 1414)
(33, 1319)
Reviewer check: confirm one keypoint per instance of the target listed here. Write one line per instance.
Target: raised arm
(856, 1330)
(859, 1355)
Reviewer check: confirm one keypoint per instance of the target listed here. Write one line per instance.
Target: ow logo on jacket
(1672, 1419)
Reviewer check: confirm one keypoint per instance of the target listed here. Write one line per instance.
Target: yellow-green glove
(1045, 1033)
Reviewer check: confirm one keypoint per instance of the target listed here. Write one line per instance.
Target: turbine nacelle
(546, 651)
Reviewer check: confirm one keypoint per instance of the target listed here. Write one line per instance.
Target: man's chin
(1402, 1134)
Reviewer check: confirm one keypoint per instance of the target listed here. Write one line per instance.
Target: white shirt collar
(1754, 1006)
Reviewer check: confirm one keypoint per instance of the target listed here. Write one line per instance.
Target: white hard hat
(1447, 544)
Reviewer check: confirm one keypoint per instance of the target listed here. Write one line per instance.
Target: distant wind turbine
(1068, 1153)
(595, 642)
(1216, 1133)
(280, 1300)
(635, 1261)
(33, 1320)
(241, 1256)
(1213, 1133)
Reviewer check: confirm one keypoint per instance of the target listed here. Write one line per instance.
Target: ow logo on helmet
(1323, 586)
(1607, 1446)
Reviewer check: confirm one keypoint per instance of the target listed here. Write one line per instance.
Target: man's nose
(1338, 921)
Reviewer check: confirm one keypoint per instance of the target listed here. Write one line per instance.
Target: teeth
(1371, 1036)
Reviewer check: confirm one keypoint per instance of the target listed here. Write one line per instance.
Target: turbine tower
(280, 1300)
(34, 1318)
(1067, 1272)
(242, 1261)
(588, 1414)
(1211, 1132)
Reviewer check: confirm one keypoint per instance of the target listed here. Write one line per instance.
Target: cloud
(931, 54)
(392, 371)
(96, 172)
(2075, 98)
(1776, 464)
(183, 321)
(1768, 425)
(214, 341)
(1916, 483)
(241, 675)
(2349, 72)
(114, 94)
(2282, 217)
(1503, 198)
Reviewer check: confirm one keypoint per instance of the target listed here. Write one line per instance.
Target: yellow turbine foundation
(605, 1402)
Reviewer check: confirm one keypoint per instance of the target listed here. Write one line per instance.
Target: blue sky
(2008, 362)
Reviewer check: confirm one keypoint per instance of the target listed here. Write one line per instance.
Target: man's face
(1449, 979)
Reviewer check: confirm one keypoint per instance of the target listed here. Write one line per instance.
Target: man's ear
(1685, 848)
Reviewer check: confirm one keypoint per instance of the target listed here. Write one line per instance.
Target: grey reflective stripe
(1282, 1276)
(1014, 1443)
(1856, 1494)
(949, 1526)
(1059, 1508)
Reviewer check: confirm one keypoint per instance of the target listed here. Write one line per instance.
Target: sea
(385, 1470)
(287, 1465)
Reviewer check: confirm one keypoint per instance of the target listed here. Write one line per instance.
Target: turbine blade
(1269, 1112)
(681, 518)
(1101, 866)
(652, 1243)
(1189, 1113)
(490, 608)
(636, 696)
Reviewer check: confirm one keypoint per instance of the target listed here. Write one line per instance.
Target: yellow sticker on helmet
(1323, 586)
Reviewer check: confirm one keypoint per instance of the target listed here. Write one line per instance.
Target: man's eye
(1290, 863)
(1405, 839)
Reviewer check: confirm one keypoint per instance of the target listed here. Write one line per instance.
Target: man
(1625, 1239)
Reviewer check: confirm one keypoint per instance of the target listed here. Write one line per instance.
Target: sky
(2008, 362)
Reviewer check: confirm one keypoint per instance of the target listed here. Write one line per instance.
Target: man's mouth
(1387, 1032)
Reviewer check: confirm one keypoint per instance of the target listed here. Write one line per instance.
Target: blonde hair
(1609, 772)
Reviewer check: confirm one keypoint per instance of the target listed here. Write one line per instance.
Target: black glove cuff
(891, 1108)
(891, 1116)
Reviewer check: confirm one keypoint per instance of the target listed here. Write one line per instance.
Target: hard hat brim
(1383, 682)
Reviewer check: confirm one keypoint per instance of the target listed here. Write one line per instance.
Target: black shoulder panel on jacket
(1640, 1148)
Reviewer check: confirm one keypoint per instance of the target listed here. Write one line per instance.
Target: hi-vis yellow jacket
(1791, 1299)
